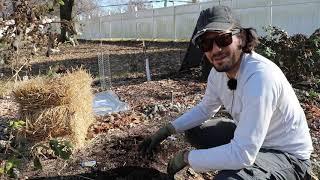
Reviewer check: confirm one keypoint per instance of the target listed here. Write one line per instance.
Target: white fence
(177, 23)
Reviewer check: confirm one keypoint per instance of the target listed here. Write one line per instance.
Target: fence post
(136, 21)
(121, 20)
(271, 16)
(100, 35)
(174, 23)
(110, 26)
(153, 26)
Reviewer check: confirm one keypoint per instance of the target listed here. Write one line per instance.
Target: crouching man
(268, 137)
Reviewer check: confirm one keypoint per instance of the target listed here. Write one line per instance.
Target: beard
(229, 62)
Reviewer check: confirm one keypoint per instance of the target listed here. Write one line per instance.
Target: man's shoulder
(257, 59)
(260, 69)
(256, 63)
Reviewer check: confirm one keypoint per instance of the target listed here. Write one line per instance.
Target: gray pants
(269, 164)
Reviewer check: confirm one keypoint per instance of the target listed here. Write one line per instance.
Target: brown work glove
(149, 143)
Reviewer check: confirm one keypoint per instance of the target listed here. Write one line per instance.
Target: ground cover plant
(110, 150)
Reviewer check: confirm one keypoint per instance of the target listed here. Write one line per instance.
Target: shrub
(297, 55)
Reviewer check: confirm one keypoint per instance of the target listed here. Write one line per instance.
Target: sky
(153, 4)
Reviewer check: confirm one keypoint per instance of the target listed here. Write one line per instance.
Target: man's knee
(212, 133)
(191, 132)
(228, 175)
(191, 135)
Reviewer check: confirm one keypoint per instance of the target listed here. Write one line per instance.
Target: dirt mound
(122, 173)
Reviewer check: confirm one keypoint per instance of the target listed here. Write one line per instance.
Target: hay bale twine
(58, 106)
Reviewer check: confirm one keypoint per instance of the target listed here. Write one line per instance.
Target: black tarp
(194, 57)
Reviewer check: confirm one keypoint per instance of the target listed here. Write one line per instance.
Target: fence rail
(177, 23)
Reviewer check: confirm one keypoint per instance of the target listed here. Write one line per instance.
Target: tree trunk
(66, 18)
(2, 7)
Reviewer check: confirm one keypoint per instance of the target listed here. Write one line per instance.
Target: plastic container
(108, 102)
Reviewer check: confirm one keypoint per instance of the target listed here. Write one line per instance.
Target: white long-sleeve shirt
(265, 109)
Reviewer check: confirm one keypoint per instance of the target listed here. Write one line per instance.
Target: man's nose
(215, 48)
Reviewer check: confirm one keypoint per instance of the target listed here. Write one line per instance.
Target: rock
(16, 173)
(192, 172)
(88, 163)
(162, 108)
(117, 116)
(155, 109)
(315, 140)
(111, 119)
(172, 138)
(314, 155)
(3, 144)
(176, 108)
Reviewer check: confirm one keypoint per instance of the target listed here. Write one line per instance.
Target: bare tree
(1, 5)
(66, 17)
(117, 6)
(88, 7)
(137, 5)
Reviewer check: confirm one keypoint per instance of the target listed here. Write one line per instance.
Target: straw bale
(57, 107)
(40, 92)
(52, 122)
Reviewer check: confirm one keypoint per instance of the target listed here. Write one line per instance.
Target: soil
(113, 139)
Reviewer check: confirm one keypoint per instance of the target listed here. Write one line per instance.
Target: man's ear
(241, 42)
(242, 39)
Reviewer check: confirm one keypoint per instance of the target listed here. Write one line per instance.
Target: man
(268, 137)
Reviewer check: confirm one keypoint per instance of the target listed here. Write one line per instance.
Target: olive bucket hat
(218, 18)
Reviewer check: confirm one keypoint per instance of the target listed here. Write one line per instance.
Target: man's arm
(207, 108)
(259, 100)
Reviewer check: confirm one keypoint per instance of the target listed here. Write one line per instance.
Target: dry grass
(59, 106)
(6, 87)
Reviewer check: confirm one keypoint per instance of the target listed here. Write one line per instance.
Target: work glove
(178, 162)
(149, 143)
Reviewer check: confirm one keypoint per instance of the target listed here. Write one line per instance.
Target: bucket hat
(218, 18)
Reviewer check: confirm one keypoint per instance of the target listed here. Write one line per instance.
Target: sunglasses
(222, 40)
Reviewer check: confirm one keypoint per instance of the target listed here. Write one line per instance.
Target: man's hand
(178, 162)
(149, 144)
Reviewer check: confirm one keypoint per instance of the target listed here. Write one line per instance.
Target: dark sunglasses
(222, 40)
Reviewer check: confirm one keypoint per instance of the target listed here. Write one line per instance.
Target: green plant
(51, 72)
(296, 55)
(16, 124)
(61, 2)
(313, 94)
(9, 166)
(62, 149)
